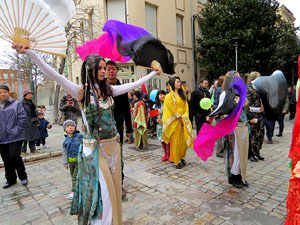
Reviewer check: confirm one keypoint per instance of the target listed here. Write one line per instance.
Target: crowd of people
(94, 156)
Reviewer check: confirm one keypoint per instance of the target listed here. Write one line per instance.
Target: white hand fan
(33, 23)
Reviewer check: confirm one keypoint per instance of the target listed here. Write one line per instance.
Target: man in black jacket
(121, 111)
(197, 96)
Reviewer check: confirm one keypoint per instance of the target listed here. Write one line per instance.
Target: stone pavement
(157, 193)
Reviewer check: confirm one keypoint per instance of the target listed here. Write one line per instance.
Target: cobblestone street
(157, 193)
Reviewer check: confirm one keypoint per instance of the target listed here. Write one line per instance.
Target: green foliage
(265, 42)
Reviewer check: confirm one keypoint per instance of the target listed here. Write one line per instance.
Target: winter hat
(69, 122)
(5, 87)
(25, 92)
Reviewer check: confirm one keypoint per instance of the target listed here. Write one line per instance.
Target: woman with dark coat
(12, 121)
(32, 132)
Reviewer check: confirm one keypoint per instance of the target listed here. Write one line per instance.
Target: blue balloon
(153, 95)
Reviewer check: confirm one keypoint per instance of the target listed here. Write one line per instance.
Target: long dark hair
(157, 101)
(91, 65)
(180, 91)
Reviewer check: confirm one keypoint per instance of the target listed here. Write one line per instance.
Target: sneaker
(70, 196)
(45, 146)
(24, 182)
(270, 141)
(38, 147)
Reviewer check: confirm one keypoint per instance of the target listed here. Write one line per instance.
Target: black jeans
(200, 119)
(280, 120)
(42, 140)
(11, 156)
(31, 146)
(120, 129)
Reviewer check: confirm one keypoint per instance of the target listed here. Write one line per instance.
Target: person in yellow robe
(140, 122)
(177, 128)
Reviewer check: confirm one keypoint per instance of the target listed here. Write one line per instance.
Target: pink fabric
(205, 141)
(105, 46)
(208, 134)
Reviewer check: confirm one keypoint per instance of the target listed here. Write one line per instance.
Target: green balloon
(205, 103)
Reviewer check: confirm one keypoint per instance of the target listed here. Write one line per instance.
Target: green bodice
(107, 121)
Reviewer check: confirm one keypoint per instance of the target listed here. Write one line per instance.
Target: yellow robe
(180, 137)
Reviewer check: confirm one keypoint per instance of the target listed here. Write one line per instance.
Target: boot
(236, 182)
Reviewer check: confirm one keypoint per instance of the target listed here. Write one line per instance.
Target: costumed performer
(293, 198)
(140, 124)
(159, 105)
(237, 146)
(177, 128)
(97, 198)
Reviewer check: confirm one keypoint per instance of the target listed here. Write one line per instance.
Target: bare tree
(23, 64)
(78, 30)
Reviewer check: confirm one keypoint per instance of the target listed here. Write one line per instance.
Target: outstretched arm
(121, 89)
(72, 88)
(68, 85)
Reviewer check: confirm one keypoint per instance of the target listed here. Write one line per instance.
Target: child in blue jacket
(43, 126)
(70, 151)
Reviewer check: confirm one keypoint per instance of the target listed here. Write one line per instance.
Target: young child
(140, 122)
(43, 126)
(41, 108)
(159, 105)
(70, 151)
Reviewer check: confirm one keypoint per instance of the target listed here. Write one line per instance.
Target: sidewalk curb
(37, 157)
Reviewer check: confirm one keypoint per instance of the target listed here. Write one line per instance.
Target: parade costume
(236, 150)
(159, 127)
(293, 198)
(98, 190)
(205, 141)
(180, 137)
(140, 124)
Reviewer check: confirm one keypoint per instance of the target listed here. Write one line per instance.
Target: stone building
(10, 78)
(171, 21)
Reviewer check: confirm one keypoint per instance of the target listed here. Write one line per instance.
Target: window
(12, 76)
(125, 81)
(116, 10)
(90, 22)
(13, 86)
(151, 19)
(77, 80)
(179, 29)
(5, 75)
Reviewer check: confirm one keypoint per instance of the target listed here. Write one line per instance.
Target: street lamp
(236, 39)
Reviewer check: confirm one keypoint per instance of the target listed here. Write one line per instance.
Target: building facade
(170, 21)
(10, 78)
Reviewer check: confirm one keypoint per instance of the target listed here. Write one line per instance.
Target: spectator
(71, 144)
(12, 135)
(13, 95)
(293, 102)
(255, 119)
(188, 98)
(197, 96)
(43, 126)
(167, 87)
(219, 144)
(121, 111)
(32, 132)
(69, 108)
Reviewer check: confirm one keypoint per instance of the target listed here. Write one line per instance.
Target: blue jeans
(269, 128)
